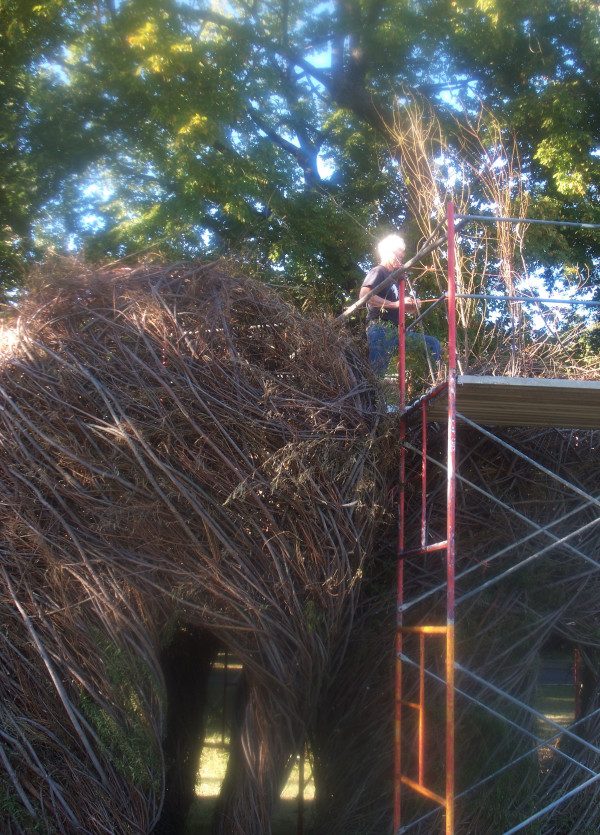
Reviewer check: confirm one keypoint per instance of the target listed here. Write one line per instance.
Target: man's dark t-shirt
(382, 314)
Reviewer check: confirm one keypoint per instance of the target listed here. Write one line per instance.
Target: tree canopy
(270, 129)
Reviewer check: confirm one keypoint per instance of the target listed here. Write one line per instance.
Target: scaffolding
(426, 795)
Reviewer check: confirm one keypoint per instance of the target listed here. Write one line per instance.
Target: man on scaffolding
(382, 310)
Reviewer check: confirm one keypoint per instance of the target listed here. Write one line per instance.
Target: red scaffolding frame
(410, 768)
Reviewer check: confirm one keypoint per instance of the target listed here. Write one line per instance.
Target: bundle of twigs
(175, 443)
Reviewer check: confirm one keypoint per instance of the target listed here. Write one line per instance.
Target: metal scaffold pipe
(539, 222)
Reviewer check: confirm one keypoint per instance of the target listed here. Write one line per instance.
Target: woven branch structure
(177, 445)
(180, 446)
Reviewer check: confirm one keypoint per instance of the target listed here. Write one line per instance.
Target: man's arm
(410, 305)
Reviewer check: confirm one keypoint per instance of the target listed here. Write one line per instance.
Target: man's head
(391, 251)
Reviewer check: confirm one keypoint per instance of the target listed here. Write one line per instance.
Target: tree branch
(346, 89)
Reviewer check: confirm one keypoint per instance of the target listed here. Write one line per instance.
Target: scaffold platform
(522, 401)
